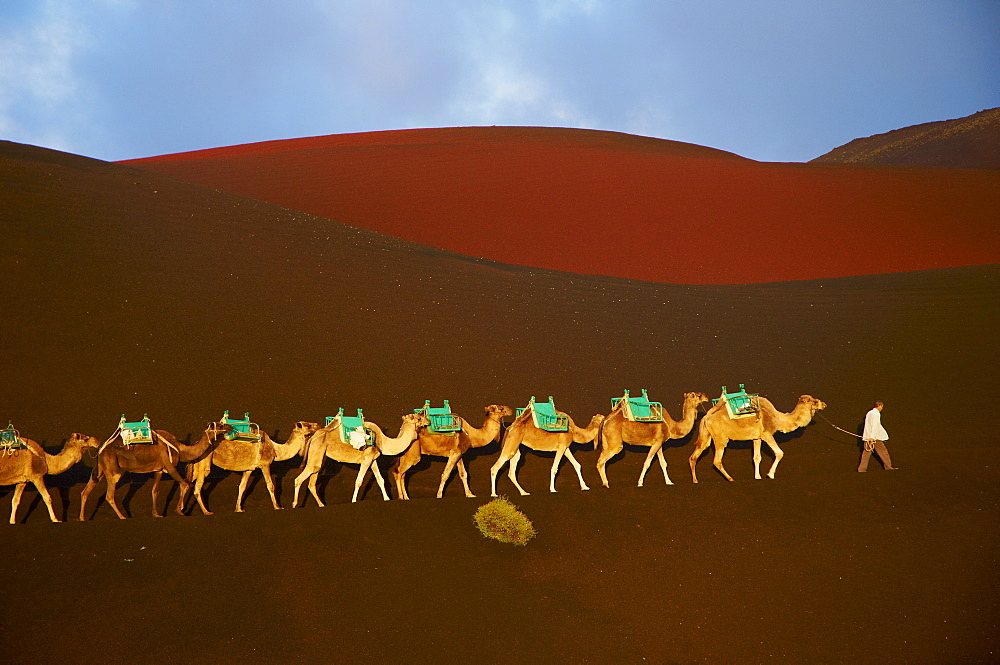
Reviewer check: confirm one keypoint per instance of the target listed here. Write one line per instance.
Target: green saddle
(442, 420)
(347, 424)
(545, 416)
(639, 409)
(10, 439)
(136, 432)
(243, 430)
(739, 403)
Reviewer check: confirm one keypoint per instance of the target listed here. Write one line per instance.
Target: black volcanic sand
(126, 292)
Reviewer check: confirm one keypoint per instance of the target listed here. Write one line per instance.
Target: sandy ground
(128, 292)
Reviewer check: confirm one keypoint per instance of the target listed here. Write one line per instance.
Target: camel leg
(720, 450)
(199, 472)
(449, 468)
(156, 492)
(244, 479)
(312, 489)
(506, 456)
(610, 449)
(362, 472)
(778, 453)
(378, 478)
(555, 468)
(269, 481)
(15, 501)
(656, 448)
(185, 488)
(699, 447)
(39, 484)
(313, 465)
(512, 471)
(403, 464)
(112, 480)
(299, 479)
(663, 465)
(91, 483)
(579, 469)
(756, 459)
(464, 475)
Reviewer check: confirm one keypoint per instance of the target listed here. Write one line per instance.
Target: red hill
(612, 204)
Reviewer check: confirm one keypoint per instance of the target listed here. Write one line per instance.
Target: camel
(245, 456)
(524, 431)
(19, 466)
(162, 455)
(720, 427)
(617, 429)
(329, 442)
(452, 446)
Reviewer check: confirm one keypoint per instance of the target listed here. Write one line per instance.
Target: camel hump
(739, 404)
(545, 416)
(11, 440)
(442, 420)
(242, 430)
(639, 409)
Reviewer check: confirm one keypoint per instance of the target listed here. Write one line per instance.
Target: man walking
(874, 438)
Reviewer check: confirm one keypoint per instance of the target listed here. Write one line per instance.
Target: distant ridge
(972, 142)
(604, 203)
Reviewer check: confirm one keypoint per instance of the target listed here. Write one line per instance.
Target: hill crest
(971, 142)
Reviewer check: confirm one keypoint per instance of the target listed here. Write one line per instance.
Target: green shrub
(501, 520)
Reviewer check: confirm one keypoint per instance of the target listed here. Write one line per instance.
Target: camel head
(84, 441)
(215, 429)
(417, 419)
(305, 428)
(812, 403)
(695, 399)
(499, 410)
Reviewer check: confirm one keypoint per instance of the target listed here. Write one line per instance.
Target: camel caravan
(240, 445)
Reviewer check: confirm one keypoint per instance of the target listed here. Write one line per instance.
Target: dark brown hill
(604, 203)
(972, 142)
(128, 292)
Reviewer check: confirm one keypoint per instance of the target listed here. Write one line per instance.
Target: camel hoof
(584, 488)
(669, 484)
(470, 496)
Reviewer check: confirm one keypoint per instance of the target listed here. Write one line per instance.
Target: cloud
(772, 79)
(39, 90)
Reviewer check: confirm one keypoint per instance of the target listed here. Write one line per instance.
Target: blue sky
(774, 80)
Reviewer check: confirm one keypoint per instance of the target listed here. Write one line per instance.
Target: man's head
(878, 405)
